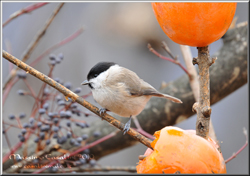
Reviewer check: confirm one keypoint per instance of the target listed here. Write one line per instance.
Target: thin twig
(89, 169)
(9, 50)
(34, 43)
(75, 98)
(194, 81)
(240, 150)
(8, 88)
(27, 9)
(17, 146)
(140, 130)
(175, 61)
(8, 141)
(165, 46)
(64, 41)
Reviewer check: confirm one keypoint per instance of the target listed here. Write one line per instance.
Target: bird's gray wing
(134, 85)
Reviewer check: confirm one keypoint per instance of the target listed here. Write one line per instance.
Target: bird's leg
(102, 111)
(127, 126)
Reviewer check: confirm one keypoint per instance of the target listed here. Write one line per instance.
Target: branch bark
(227, 74)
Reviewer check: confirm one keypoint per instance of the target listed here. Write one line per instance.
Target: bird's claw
(102, 111)
(127, 126)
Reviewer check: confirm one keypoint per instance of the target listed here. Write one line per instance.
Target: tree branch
(131, 169)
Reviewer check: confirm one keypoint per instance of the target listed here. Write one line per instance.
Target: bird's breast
(120, 103)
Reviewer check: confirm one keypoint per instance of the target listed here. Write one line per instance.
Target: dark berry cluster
(55, 117)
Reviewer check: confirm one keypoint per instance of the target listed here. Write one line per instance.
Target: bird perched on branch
(120, 90)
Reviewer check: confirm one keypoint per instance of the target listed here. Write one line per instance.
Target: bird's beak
(85, 82)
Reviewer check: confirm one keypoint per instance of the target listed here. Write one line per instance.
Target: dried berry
(55, 129)
(83, 160)
(60, 55)
(56, 120)
(31, 120)
(18, 158)
(55, 135)
(52, 62)
(23, 131)
(46, 106)
(58, 60)
(21, 74)
(42, 135)
(86, 151)
(36, 139)
(61, 140)
(85, 136)
(78, 90)
(22, 138)
(72, 141)
(12, 116)
(68, 85)
(82, 125)
(52, 56)
(69, 134)
(47, 141)
(19, 135)
(53, 169)
(68, 123)
(50, 114)
(77, 144)
(57, 80)
(79, 139)
(26, 125)
(41, 111)
(22, 115)
(97, 134)
(46, 91)
(21, 92)
(61, 103)
(73, 105)
(45, 128)
(68, 114)
(39, 124)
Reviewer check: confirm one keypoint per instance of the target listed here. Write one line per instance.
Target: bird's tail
(176, 100)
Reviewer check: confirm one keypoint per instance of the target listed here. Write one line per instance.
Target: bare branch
(66, 40)
(175, 60)
(23, 11)
(89, 169)
(34, 43)
(240, 150)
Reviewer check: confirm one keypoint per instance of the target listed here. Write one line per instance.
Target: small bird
(120, 90)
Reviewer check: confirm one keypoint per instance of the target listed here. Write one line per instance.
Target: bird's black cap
(99, 68)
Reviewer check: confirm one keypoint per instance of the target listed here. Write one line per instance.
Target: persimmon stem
(203, 107)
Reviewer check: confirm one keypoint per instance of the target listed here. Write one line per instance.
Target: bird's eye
(95, 75)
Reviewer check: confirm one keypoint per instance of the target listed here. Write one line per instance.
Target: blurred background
(117, 32)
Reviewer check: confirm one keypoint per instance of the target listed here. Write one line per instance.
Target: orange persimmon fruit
(192, 23)
(181, 151)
